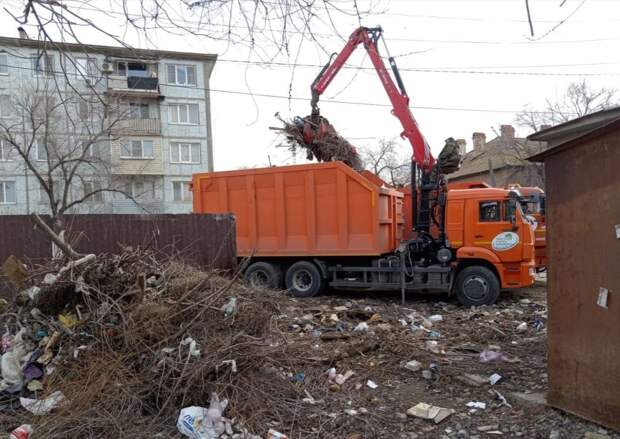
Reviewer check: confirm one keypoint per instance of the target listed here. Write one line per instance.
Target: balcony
(138, 127)
(133, 86)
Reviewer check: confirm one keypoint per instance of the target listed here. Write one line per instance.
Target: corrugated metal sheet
(204, 239)
(583, 199)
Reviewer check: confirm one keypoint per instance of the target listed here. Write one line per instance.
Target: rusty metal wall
(203, 239)
(583, 199)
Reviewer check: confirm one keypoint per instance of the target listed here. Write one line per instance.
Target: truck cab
(487, 227)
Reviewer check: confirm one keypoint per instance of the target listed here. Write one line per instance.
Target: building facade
(161, 136)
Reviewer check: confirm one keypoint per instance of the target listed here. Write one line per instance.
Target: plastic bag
(43, 406)
(21, 432)
(201, 423)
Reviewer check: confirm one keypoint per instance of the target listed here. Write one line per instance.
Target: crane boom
(397, 94)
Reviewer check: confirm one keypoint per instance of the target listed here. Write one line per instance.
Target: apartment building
(162, 135)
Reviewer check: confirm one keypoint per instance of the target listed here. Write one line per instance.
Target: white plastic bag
(43, 406)
(201, 423)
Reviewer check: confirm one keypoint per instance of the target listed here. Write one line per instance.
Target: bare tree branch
(578, 100)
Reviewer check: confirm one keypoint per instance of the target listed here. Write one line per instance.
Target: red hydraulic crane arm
(398, 96)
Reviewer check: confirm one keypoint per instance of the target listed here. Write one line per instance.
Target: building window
(5, 106)
(181, 75)
(7, 192)
(43, 197)
(137, 149)
(90, 149)
(489, 211)
(181, 191)
(184, 152)
(140, 190)
(5, 151)
(133, 69)
(43, 64)
(86, 67)
(138, 110)
(92, 190)
(4, 64)
(184, 114)
(40, 150)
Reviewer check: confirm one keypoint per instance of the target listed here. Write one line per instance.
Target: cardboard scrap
(432, 412)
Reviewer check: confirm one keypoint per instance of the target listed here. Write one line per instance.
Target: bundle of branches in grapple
(324, 144)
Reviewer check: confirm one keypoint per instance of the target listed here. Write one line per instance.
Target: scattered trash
(489, 356)
(433, 346)
(435, 318)
(413, 365)
(361, 327)
(431, 412)
(68, 320)
(434, 334)
(193, 346)
(351, 412)
(339, 379)
(472, 379)
(372, 384)
(50, 279)
(522, 327)
(298, 377)
(476, 405)
(35, 386)
(230, 308)
(201, 423)
(76, 351)
(43, 406)
(273, 434)
(495, 378)
(502, 399)
(427, 374)
(22, 432)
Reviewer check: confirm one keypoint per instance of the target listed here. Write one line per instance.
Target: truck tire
(264, 275)
(476, 286)
(303, 279)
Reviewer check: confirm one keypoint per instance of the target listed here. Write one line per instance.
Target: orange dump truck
(317, 225)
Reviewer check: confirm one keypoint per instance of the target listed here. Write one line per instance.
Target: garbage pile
(117, 345)
(325, 145)
(131, 346)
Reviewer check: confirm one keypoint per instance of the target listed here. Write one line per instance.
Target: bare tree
(250, 23)
(578, 100)
(386, 161)
(63, 140)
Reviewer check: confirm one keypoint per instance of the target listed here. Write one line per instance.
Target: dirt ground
(379, 355)
(291, 356)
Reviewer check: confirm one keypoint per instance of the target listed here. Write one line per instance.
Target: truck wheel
(303, 279)
(477, 286)
(264, 275)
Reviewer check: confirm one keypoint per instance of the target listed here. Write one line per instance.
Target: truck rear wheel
(476, 286)
(303, 279)
(264, 275)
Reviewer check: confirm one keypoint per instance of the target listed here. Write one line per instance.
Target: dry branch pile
(325, 146)
(140, 339)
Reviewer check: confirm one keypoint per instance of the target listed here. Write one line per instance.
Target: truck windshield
(511, 207)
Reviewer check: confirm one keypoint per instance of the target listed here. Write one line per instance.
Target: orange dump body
(324, 209)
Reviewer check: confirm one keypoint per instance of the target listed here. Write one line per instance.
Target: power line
(296, 98)
(188, 23)
(432, 70)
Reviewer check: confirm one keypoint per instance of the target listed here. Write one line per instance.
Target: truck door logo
(505, 241)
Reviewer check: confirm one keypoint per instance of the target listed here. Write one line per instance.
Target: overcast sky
(496, 70)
